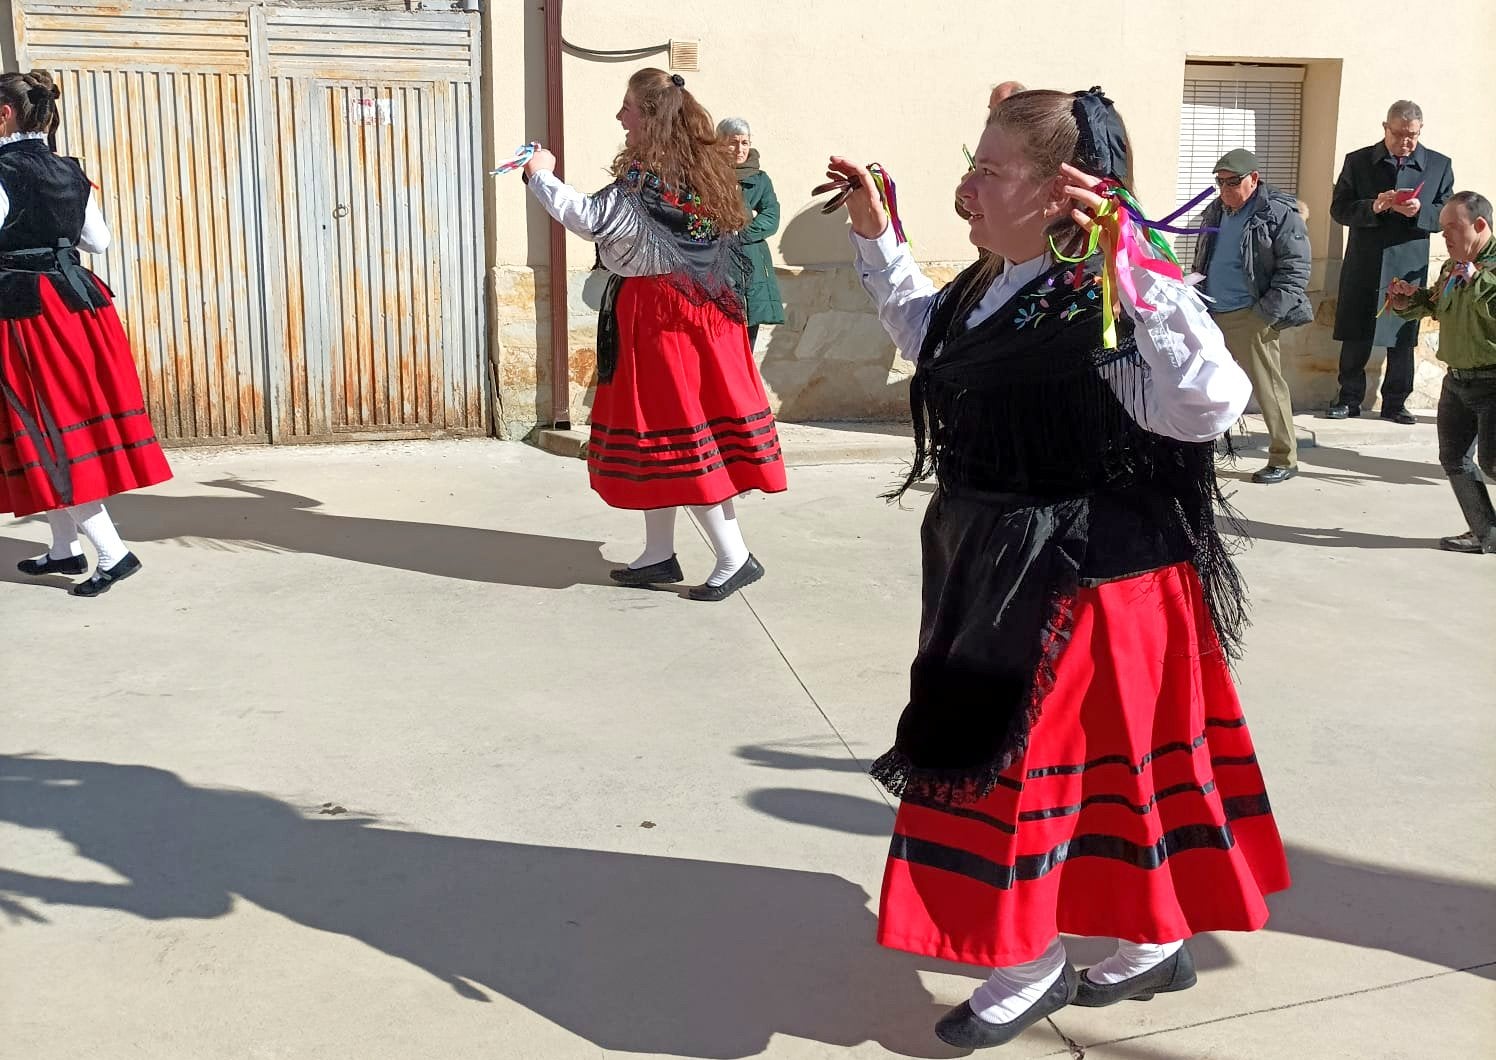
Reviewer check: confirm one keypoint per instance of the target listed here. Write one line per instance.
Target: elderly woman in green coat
(765, 306)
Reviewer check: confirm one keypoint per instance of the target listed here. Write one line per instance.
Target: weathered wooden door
(295, 199)
(379, 222)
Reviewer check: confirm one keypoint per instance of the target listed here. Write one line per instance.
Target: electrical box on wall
(685, 55)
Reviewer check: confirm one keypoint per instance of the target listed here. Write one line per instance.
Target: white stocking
(64, 536)
(659, 537)
(720, 524)
(1010, 992)
(1131, 958)
(96, 525)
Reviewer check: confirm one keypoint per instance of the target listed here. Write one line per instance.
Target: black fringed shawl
(666, 235)
(1046, 483)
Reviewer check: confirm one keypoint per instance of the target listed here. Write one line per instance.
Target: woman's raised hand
(1081, 189)
(542, 161)
(864, 206)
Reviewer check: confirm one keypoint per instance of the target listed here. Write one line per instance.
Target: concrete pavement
(372, 761)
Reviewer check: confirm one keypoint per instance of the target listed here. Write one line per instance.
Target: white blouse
(584, 216)
(95, 237)
(1193, 389)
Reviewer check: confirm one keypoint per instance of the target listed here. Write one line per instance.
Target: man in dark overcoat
(1388, 196)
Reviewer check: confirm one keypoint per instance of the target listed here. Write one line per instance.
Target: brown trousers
(1254, 344)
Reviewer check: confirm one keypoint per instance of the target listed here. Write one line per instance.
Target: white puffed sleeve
(904, 295)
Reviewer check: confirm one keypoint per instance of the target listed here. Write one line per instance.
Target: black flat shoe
(103, 580)
(1467, 542)
(964, 1029)
(1343, 412)
(746, 575)
(665, 572)
(1402, 416)
(47, 565)
(1268, 475)
(1176, 973)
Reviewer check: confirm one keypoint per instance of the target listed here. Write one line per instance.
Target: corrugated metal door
(156, 103)
(375, 166)
(295, 197)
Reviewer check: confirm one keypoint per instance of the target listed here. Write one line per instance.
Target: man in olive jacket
(1256, 269)
(1388, 197)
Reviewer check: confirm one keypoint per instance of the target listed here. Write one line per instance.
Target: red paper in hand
(1408, 194)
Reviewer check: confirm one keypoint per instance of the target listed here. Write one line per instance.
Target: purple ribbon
(1166, 226)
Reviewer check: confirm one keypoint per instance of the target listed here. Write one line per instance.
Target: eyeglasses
(1231, 182)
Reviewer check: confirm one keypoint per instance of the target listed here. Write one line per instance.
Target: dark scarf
(1047, 484)
(749, 169)
(670, 237)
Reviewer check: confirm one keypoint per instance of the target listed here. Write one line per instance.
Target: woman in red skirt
(680, 417)
(1073, 757)
(73, 424)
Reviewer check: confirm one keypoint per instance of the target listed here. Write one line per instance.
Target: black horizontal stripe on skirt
(694, 458)
(72, 461)
(81, 425)
(1065, 811)
(742, 421)
(720, 437)
(1035, 866)
(691, 473)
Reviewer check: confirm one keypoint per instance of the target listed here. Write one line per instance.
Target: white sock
(1010, 992)
(1131, 958)
(96, 525)
(720, 524)
(65, 543)
(659, 537)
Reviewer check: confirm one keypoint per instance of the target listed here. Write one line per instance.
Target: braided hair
(33, 98)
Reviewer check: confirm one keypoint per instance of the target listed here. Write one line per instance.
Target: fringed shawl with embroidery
(657, 230)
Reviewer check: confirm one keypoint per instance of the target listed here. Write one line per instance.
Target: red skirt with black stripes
(685, 419)
(1138, 811)
(73, 424)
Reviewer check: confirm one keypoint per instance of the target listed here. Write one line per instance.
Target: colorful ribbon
(522, 154)
(890, 196)
(1119, 219)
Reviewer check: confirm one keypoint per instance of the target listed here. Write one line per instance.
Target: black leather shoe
(1402, 416)
(1343, 411)
(103, 580)
(1176, 973)
(1467, 542)
(746, 575)
(964, 1029)
(665, 572)
(47, 565)
(1268, 475)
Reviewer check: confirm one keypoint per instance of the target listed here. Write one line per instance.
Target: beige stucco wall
(905, 84)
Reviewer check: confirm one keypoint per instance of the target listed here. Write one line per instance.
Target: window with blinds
(1230, 106)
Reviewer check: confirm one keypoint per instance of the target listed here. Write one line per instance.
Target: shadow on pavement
(633, 953)
(1425, 916)
(271, 519)
(1329, 537)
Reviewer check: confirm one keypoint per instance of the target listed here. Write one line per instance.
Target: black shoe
(1467, 542)
(1176, 973)
(1402, 416)
(103, 580)
(1343, 411)
(746, 575)
(964, 1029)
(1268, 475)
(665, 572)
(47, 565)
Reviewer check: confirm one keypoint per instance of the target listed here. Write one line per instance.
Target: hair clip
(677, 80)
